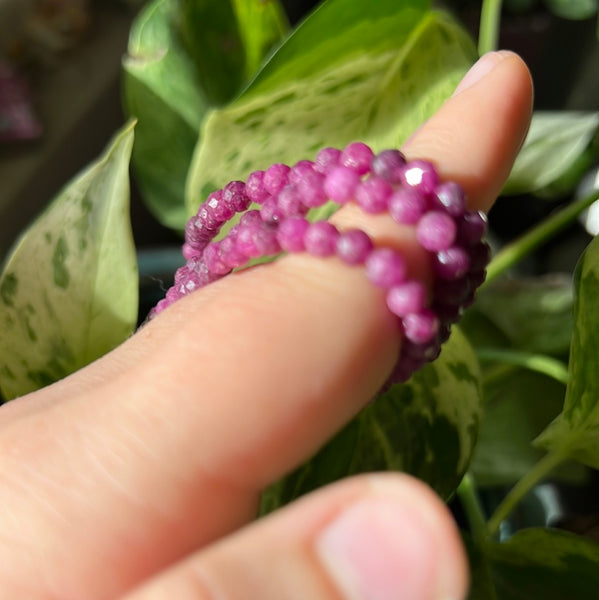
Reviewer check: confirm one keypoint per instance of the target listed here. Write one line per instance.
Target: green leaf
(535, 314)
(427, 427)
(68, 293)
(575, 433)
(573, 9)
(536, 563)
(262, 25)
(162, 91)
(556, 143)
(353, 70)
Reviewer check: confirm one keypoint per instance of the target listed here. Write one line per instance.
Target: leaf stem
(511, 254)
(490, 19)
(468, 496)
(526, 483)
(534, 362)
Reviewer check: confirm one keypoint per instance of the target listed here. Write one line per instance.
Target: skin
(138, 476)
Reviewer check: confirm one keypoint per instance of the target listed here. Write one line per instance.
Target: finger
(229, 388)
(382, 537)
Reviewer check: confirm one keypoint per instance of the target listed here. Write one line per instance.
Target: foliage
(219, 88)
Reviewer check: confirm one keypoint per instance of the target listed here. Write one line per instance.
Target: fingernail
(485, 64)
(379, 549)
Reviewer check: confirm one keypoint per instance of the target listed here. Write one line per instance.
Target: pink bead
(452, 263)
(256, 241)
(207, 217)
(275, 178)
(407, 205)
(234, 195)
(340, 184)
(389, 165)
(320, 238)
(221, 210)
(270, 211)
(436, 231)
(213, 259)
(254, 187)
(385, 267)
(450, 196)
(372, 195)
(406, 298)
(310, 186)
(353, 246)
(471, 228)
(479, 256)
(290, 201)
(251, 217)
(230, 254)
(291, 232)
(421, 175)
(326, 159)
(299, 170)
(422, 327)
(189, 251)
(358, 157)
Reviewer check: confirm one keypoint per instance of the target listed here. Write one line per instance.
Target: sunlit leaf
(68, 293)
(427, 427)
(556, 143)
(353, 70)
(536, 563)
(575, 433)
(162, 91)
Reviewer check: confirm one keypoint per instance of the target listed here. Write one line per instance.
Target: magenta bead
(436, 231)
(290, 202)
(221, 210)
(354, 246)
(320, 238)
(422, 327)
(230, 254)
(389, 165)
(189, 251)
(213, 259)
(471, 228)
(207, 217)
(270, 211)
(450, 196)
(310, 186)
(407, 205)
(275, 178)
(340, 184)
(358, 157)
(452, 263)
(372, 195)
(479, 256)
(234, 195)
(251, 218)
(421, 175)
(326, 159)
(254, 187)
(385, 267)
(291, 232)
(406, 298)
(300, 170)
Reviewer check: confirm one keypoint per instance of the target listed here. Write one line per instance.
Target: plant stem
(515, 495)
(490, 19)
(468, 495)
(512, 253)
(535, 362)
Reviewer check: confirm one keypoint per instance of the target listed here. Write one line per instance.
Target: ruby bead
(358, 157)
(389, 164)
(385, 267)
(406, 298)
(320, 238)
(257, 240)
(421, 175)
(234, 195)
(354, 246)
(213, 259)
(275, 178)
(407, 205)
(310, 187)
(221, 210)
(189, 251)
(270, 211)
(471, 228)
(452, 263)
(300, 170)
(254, 187)
(291, 232)
(372, 194)
(289, 201)
(326, 159)
(340, 184)
(422, 327)
(230, 254)
(450, 196)
(251, 218)
(436, 231)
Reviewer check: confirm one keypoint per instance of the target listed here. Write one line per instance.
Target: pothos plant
(217, 89)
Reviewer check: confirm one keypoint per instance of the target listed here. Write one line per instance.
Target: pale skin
(138, 477)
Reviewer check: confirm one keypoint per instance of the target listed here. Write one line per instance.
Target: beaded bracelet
(409, 191)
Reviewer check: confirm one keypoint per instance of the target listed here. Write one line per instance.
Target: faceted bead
(275, 178)
(181, 274)
(189, 251)
(207, 217)
(421, 175)
(310, 186)
(354, 246)
(221, 210)
(422, 327)
(406, 298)
(452, 263)
(340, 184)
(389, 164)
(213, 259)
(326, 159)
(290, 234)
(436, 231)
(299, 170)
(172, 295)
(471, 228)
(372, 195)
(290, 201)
(254, 187)
(452, 292)
(270, 211)
(450, 196)
(230, 254)
(234, 195)
(256, 241)
(358, 157)
(407, 205)
(479, 256)
(320, 238)
(251, 217)
(385, 267)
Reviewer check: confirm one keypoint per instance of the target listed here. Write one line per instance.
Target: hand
(138, 477)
